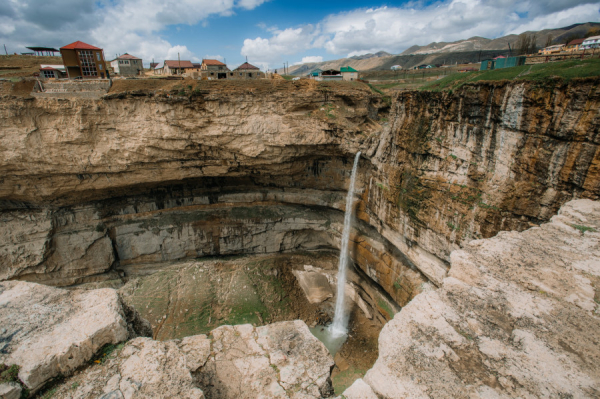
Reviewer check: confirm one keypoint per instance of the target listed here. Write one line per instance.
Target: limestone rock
(49, 331)
(515, 318)
(281, 360)
(315, 285)
(10, 390)
(143, 368)
(359, 390)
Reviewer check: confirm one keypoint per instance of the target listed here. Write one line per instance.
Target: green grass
(49, 393)
(342, 380)
(375, 89)
(385, 86)
(386, 308)
(583, 229)
(9, 373)
(565, 70)
(106, 351)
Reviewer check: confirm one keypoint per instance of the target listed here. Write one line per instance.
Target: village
(84, 61)
(83, 71)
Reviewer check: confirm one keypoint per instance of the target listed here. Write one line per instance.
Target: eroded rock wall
(516, 317)
(90, 186)
(452, 167)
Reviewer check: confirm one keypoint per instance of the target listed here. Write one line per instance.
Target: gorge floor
(196, 296)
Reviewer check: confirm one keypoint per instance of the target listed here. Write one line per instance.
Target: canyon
(97, 192)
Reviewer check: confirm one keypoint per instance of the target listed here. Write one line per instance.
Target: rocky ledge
(516, 317)
(49, 332)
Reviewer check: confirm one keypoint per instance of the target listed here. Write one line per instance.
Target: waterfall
(340, 319)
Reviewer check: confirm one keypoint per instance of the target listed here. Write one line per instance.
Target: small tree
(526, 44)
(532, 44)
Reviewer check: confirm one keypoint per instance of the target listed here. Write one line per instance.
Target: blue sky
(270, 32)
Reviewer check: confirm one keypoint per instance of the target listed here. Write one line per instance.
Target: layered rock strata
(516, 317)
(439, 169)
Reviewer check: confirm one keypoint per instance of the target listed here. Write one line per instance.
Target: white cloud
(310, 58)
(118, 26)
(250, 4)
(214, 57)
(283, 42)
(394, 29)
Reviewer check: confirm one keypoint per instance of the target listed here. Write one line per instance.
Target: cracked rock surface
(49, 331)
(281, 360)
(516, 317)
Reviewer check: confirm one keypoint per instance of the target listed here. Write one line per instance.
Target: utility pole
(5, 50)
(179, 60)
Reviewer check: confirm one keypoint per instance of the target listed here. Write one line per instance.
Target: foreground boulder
(517, 317)
(281, 360)
(49, 331)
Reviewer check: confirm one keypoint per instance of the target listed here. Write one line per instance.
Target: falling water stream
(335, 335)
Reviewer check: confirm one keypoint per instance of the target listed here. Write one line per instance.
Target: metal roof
(78, 45)
(348, 69)
(42, 48)
(45, 67)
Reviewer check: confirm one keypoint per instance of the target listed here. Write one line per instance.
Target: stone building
(214, 69)
(175, 67)
(349, 73)
(127, 65)
(248, 71)
(83, 60)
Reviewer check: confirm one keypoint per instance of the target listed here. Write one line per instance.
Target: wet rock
(315, 285)
(516, 317)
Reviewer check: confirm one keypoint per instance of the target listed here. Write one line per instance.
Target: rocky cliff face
(90, 187)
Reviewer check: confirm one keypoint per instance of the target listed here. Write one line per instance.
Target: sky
(271, 32)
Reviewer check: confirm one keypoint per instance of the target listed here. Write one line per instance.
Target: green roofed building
(349, 73)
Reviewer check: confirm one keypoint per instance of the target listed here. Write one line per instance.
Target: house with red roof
(214, 69)
(248, 71)
(176, 67)
(574, 45)
(84, 61)
(127, 65)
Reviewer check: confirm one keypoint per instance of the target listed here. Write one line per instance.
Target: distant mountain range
(462, 51)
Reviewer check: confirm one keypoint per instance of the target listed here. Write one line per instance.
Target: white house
(127, 65)
(53, 71)
(590, 43)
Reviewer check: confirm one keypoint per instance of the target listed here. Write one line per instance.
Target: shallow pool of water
(333, 342)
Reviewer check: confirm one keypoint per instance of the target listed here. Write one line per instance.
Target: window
(86, 58)
(100, 66)
(48, 74)
(89, 71)
(250, 74)
(240, 74)
(98, 56)
(88, 65)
